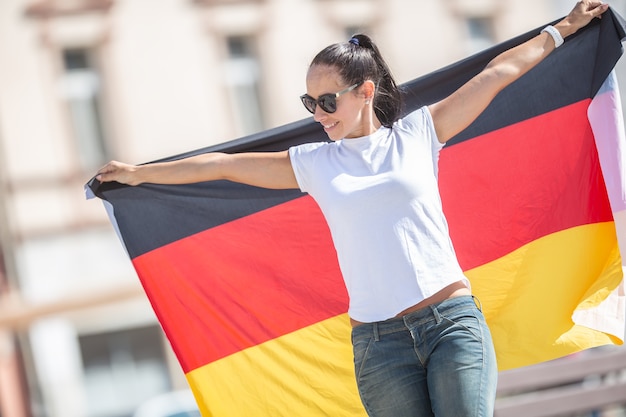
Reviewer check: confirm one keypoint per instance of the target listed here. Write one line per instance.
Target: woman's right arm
(261, 169)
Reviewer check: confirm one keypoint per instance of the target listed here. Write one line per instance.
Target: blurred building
(85, 81)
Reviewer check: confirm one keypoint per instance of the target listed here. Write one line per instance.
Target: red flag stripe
(539, 176)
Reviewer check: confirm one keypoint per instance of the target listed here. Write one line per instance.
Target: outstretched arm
(261, 169)
(454, 113)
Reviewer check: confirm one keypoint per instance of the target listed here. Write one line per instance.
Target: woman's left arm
(457, 111)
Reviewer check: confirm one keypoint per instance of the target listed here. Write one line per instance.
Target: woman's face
(348, 120)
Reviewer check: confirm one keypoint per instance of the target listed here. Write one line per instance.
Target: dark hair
(359, 60)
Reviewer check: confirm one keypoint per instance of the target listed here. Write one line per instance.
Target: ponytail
(359, 60)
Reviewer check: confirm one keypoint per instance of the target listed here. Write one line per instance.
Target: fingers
(597, 12)
(583, 13)
(594, 8)
(103, 173)
(114, 171)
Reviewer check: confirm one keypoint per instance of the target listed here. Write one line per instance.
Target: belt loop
(376, 335)
(436, 314)
(478, 303)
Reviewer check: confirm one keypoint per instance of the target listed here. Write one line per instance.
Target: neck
(369, 125)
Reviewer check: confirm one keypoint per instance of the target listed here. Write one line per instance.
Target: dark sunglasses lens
(328, 103)
(309, 103)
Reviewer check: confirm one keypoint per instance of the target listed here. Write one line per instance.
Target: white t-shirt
(380, 198)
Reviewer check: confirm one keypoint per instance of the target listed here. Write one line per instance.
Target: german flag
(245, 281)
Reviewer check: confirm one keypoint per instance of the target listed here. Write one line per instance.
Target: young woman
(421, 344)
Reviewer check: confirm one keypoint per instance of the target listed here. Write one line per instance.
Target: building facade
(86, 81)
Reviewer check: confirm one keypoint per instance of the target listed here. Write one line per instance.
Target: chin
(333, 137)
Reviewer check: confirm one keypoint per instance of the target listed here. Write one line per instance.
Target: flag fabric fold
(245, 281)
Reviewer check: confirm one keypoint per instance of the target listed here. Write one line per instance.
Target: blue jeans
(437, 361)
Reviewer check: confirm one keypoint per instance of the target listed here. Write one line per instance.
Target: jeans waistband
(424, 315)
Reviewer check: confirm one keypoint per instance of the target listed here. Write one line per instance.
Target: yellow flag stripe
(305, 373)
(529, 295)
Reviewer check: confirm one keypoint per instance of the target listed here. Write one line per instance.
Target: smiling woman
(420, 341)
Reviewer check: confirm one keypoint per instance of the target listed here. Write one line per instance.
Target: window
(123, 369)
(81, 89)
(243, 76)
(480, 33)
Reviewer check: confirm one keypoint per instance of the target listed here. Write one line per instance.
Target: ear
(367, 89)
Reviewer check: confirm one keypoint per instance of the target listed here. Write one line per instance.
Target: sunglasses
(328, 102)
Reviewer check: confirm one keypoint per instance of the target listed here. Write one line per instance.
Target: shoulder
(416, 120)
(306, 153)
(311, 149)
(304, 159)
(308, 147)
(419, 125)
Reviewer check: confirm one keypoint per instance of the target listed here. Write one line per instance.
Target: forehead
(321, 79)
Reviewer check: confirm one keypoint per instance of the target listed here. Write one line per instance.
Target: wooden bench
(585, 382)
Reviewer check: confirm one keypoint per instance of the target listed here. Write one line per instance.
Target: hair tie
(354, 41)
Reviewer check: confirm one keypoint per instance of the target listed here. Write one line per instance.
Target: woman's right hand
(120, 172)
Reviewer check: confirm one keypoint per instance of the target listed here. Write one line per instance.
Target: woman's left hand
(580, 16)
